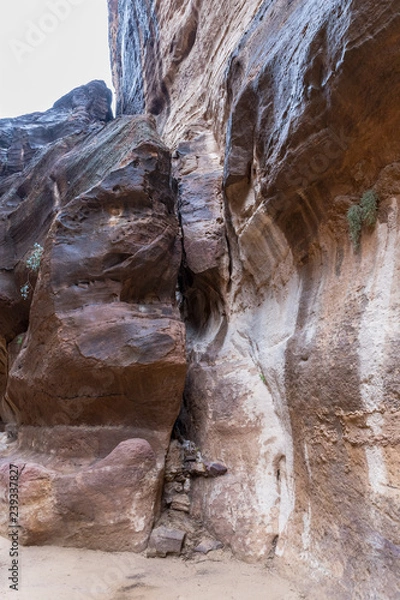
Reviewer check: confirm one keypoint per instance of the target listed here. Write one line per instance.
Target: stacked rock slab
(95, 343)
(293, 336)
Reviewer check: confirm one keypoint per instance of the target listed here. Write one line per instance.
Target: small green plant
(354, 219)
(262, 377)
(33, 264)
(361, 214)
(33, 261)
(25, 289)
(369, 207)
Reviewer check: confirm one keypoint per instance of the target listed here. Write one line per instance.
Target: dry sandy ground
(50, 573)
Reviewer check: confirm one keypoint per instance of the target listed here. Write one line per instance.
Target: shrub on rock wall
(361, 214)
(354, 219)
(369, 207)
(33, 264)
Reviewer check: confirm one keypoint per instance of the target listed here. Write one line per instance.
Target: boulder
(165, 541)
(108, 505)
(208, 545)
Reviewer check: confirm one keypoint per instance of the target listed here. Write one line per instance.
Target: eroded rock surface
(109, 504)
(94, 369)
(293, 336)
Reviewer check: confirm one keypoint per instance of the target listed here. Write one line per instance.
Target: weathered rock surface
(110, 504)
(183, 464)
(95, 364)
(293, 336)
(165, 541)
(23, 138)
(207, 545)
(280, 115)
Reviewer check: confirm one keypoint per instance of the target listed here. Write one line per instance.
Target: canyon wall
(193, 257)
(281, 115)
(92, 343)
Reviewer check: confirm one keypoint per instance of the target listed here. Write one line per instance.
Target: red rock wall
(281, 115)
(93, 346)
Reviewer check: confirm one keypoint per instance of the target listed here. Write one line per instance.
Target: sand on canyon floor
(52, 573)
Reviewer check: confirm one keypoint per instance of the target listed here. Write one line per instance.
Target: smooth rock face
(95, 341)
(293, 337)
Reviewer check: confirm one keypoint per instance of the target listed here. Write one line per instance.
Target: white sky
(48, 47)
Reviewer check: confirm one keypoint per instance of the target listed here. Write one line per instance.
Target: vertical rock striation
(282, 115)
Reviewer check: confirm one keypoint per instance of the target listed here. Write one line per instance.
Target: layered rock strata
(93, 358)
(281, 116)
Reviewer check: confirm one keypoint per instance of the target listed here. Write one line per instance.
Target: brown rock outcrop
(91, 249)
(165, 541)
(103, 331)
(292, 334)
(110, 504)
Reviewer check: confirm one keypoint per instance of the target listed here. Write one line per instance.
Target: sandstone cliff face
(281, 115)
(93, 351)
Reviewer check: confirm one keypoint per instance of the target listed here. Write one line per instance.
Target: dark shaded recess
(234, 78)
(158, 99)
(184, 39)
(300, 225)
(190, 40)
(183, 426)
(157, 93)
(202, 297)
(13, 320)
(240, 143)
(265, 134)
